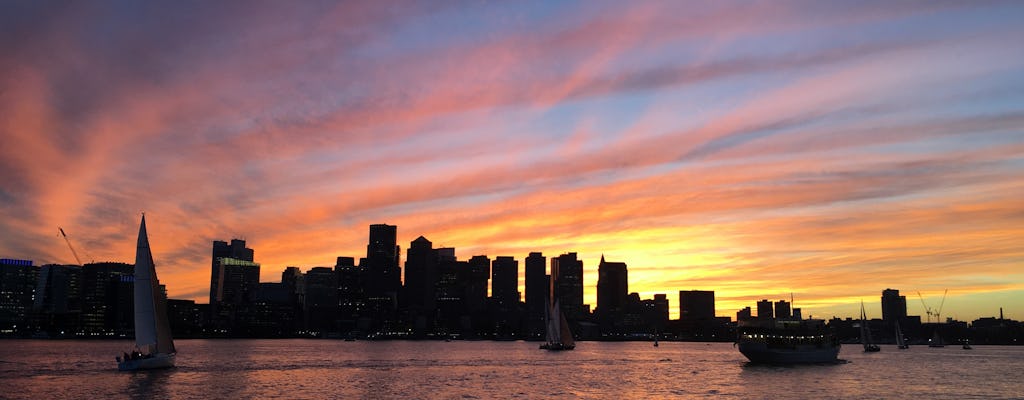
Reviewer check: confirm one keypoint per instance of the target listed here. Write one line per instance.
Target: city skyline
(827, 150)
(239, 252)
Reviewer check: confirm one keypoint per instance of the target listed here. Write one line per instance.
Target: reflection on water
(337, 369)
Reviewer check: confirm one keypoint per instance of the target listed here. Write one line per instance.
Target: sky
(824, 150)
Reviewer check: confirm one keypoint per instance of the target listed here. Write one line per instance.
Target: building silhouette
(764, 309)
(612, 287)
(321, 300)
(505, 280)
(108, 300)
(782, 309)
(383, 276)
(567, 276)
(18, 280)
(504, 307)
(537, 288)
(420, 295)
(743, 314)
(237, 281)
(696, 305)
(58, 301)
(894, 306)
(221, 249)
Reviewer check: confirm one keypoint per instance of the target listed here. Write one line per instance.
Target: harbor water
(291, 369)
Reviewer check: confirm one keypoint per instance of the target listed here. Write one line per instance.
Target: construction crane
(930, 311)
(73, 252)
(938, 314)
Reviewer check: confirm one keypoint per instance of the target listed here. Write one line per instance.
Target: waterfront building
(419, 296)
(321, 300)
(18, 280)
(743, 314)
(612, 288)
(221, 249)
(782, 309)
(383, 276)
(58, 302)
(107, 299)
(567, 276)
(696, 305)
(236, 280)
(764, 310)
(537, 287)
(894, 306)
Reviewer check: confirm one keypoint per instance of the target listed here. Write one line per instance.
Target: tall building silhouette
(894, 306)
(420, 283)
(696, 305)
(782, 309)
(221, 249)
(764, 309)
(505, 280)
(237, 281)
(537, 287)
(321, 299)
(504, 297)
(612, 287)
(383, 275)
(475, 279)
(567, 275)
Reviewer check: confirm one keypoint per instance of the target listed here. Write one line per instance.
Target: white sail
(152, 329)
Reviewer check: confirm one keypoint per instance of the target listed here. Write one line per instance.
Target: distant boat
(936, 340)
(558, 334)
(901, 342)
(152, 329)
(779, 343)
(655, 340)
(967, 346)
(865, 332)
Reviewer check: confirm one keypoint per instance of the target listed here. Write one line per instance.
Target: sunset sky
(757, 149)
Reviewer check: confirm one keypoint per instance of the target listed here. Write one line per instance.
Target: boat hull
(557, 346)
(801, 354)
(159, 361)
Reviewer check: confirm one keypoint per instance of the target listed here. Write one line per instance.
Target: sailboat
(558, 334)
(901, 342)
(154, 347)
(865, 333)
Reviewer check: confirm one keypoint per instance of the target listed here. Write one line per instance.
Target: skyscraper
(764, 309)
(505, 280)
(696, 305)
(894, 306)
(782, 309)
(567, 275)
(383, 275)
(420, 281)
(612, 286)
(237, 280)
(475, 280)
(537, 287)
(221, 249)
